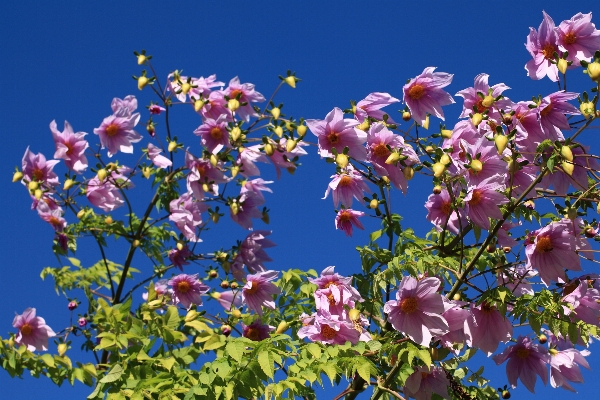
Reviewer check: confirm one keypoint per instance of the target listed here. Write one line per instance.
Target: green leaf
(314, 349)
(49, 360)
(425, 356)
(168, 363)
(265, 360)
(331, 371)
(113, 375)
(364, 370)
(171, 317)
(215, 342)
(235, 349)
(573, 333)
(75, 262)
(376, 235)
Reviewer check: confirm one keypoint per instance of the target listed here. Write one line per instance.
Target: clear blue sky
(67, 60)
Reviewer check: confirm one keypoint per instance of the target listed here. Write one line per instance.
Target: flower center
(38, 174)
(570, 38)
(547, 110)
(69, 148)
(522, 353)
(544, 244)
(331, 300)
(345, 216)
(183, 287)
(548, 51)
(216, 133)
(333, 137)
(328, 332)
(345, 181)
(234, 93)
(381, 150)
(201, 170)
(446, 208)
(480, 107)
(26, 330)
(253, 288)
(424, 375)
(54, 222)
(112, 129)
(409, 305)
(487, 308)
(252, 334)
(476, 198)
(416, 92)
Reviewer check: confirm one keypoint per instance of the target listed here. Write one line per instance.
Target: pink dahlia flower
(246, 209)
(214, 135)
(371, 107)
(541, 44)
(455, 316)
(346, 218)
(106, 194)
(178, 257)
(228, 299)
(423, 94)
(33, 331)
(564, 367)
(256, 186)
(53, 216)
(215, 106)
(202, 172)
(282, 158)
(187, 290)
(251, 251)
(337, 132)
(417, 310)
(346, 185)
(157, 159)
(36, 168)
(491, 163)
(487, 327)
(473, 99)
(124, 107)
(247, 95)
(552, 114)
(187, 215)
(70, 147)
(561, 182)
(579, 37)
(583, 302)
(257, 331)
(441, 214)
(161, 287)
(334, 291)
(247, 158)
(331, 329)
(525, 361)
(483, 201)
(426, 381)
(258, 291)
(116, 133)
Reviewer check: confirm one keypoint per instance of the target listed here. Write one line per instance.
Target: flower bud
(456, 297)
(233, 104)
(426, 122)
(393, 158)
(290, 80)
(446, 133)
(215, 217)
(269, 149)
(354, 314)
(154, 304)
(282, 327)
(224, 285)
(102, 174)
(529, 204)
(429, 149)
(206, 187)
(408, 173)
(38, 193)
(185, 88)
(141, 58)
(234, 285)
(406, 116)
(341, 160)
(301, 129)
(507, 119)
(476, 119)
(487, 101)
(590, 232)
(290, 145)
(61, 349)
(234, 170)
(505, 394)
(146, 171)
(179, 246)
(212, 274)
(72, 305)
(438, 169)
(236, 313)
(235, 208)
(108, 220)
(445, 159)
(566, 153)
(172, 146)
(142, 82)
(278, 131)
(373, 204)
(275, 112)
(33, 185)
(476, 165)
(543, 339)
(82, 322)
(593, 70)
(437, 189)
(506, 249)
(236, 132)
(80, 213)
(567, 167)
(501, 141)
(265, 217)
(587, 109)
(198, 104)
(386, 180)
(135, 243)
(491, 248)
(191, 315)
(562, 65)
(17, 176)
(226, 330)
(68, 184)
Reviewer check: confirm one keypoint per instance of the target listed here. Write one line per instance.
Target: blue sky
(67, 60)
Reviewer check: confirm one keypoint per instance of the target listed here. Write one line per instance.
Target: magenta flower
(525, 361)
(551, 250)
(202, 86)
(186, 214)
(346, 218)
(564, 367)
(346, 185)
(334, 292)
(72, 305)
(251, 251)
(330, 329)
(520, 176)
(82, 322)
(257, 331)
(552, 113)
(247, 95)
(487, 327)
(245, 208)
(282, 158)
(215, 106)
(247, 157)
(214, 135)
(417, 310)
(178, 257)
(187, 290)
(70, 147)
(256, 186)
(541, 44)
(36, 168)
(529, 130)
(116, 132)
(483, 201)
(155, 109)
(33, 331)
(371, 107)
(579, 37)
(336, 132)
(426, 381)
(583, 301)
(561, 181)
(258, 291)
(106, 195)
(441, 214)
(473, 99)
(202, 176)
(423, 94)
(491, 163)
(157, 159)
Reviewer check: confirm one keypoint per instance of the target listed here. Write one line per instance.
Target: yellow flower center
(112, 129)
(345, 181)
(381, 150)
(416, 92)
(544, 244)
(570, 38)
(333, 137)
(548, 51)
(345, 216)
(183, 287)
(328, 332)
(26, 330)
(216, 133)
(409, 305)
(476, 198)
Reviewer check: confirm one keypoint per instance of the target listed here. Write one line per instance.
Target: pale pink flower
(251, 252)
(161, 288)
(516, 279)
(552, 114)
(561, 182)
(473, 99)
(426, 381)
(117, 134)
(70, 147)
(36, 168)
(258, 291)
(579, 37)
(201, 172)
(483, 201)
(371, 107)
(246, 209)
(257, 331)
(53, 216)
(214, 134)
(187, 215)
(178, 257)
(124, 107)
(33, 331)
(187, 290)
(424, 95)
(491, 163)
(247, 157)
(106, 194)
(525, 361)
(346, 218)
(157, 159)
(441, 213)
(564, 367)
(486, 327)
(347, 184)
(541, 44)
(215, 106)
(334, 292)
(257, 186)
(330, 329)
(228, 299)
(337, 132)
(282, 158)
(583, 301)
(247, 95)
(455, 316)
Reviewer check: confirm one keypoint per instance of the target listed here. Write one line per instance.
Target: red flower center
(252, 334)
(216, 133)
(201, 170)
(38, 174)
(570, 38)
(345, 181)
(183, 287)
(416, 92)
(480, 107)
(331, 300)
(333, 137)
(548, 51)
(487, 308)
(234, 93)
(409, 305)
(253, 288)
(69, 147)
(54, 221)
(547, 110)
(381, 150)
(345, 216)
(26, 330)
(328, 332)
(544, 244)
(446, 207)
(112, 129)
(522, 353)
(476, 198)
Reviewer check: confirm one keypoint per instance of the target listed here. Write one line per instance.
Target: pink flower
(70, 147)
(214, 134)
(161, 288)
(157, 159)
(345, 185)
(551, 250)
(251, 251)
(487, 327)
(334, 292)
(228, 299)
(106, 195)
(564, 367)
(417, 310)
(561, 182)
(335, 132)
(116, 133)
(258, 291)
(371, 107)
(525, 361)
(53, 216)
(423, 94)
(245, 208)
(256, 186)
(72, 305)
(541, 44)
(178, 257)
(257, 331)
(552, 113)
(187, 290)
(286, 159)
(579, 37)
(346, 218)
(483, 201)
(583, 301)
(186, 214)
(82, 322)
(36, 168)
(215, 106)
(33, 331)
(426, 381)
(441, 214)
(247, 157)
(203, 176)
(247, 95)
(473, 99)
(124, 107)
(330, 329)
(516, 279)
(155, 109)
(491, 163)
(455, 316)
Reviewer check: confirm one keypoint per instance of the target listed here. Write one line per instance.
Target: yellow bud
(290, 80)
(438, 169)
(446, 133)
(593, 70)
(80, 213)
(191, 315)
(567, 167)
(353, 108)
(476, 119)
(374, 204)
(235, 133)
(566, 152)
(408, 173)
(507, 119)
(198, 104)
(233, 104)
(235, 208)
(17, 176)
(68, 184)
(234, 170)
(282, 327)
(226, 266)
(426, 122)
(290, 145)
(437, 189)
(386, 180)
(265, 217)
(236, 313)
(456, 297)
(354, 314)
(476, 165)
(269, 149)
(61, 349)
(179, 246)
(341, 160)
(587, 109)
(38, 193)
(406, 116)
(445, 159)
(364, 126)
(108, 220)
(33, 185)
(301, 129)
(275, 112)
(562, 65)
(278, 131)
(393, 158)
(215, 217)
(429, 149)
(185, 88)
(146, 171)
(214, 160)
(172, 146)
(501, 141)
(142, 82)
(135, 243)
(102, 173)
(206, 187)
(487, 101)
(141, 59)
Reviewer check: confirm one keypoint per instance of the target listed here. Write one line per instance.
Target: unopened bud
(438, 169)
(236, 132)
(487, 101)
(265, 217)
(236, 313)
(354, 314)
(235, 208)
(215, 217)
(154, 304)
(566, 153)
(234, 170)
(108, 220)
(146, 171)
(341, 160)
(426, 122)
(429, 149)
(172, 146)
(364, 126)
(278, 131)
(393, 158)
(456, 297)
(386, 180)
(435, 355)
(214, 160)
(269, 149)
(61, 349)
(206, 187)
(437, 189)
(587, 109)
(198, 104)
(290, 80)
(408, 173)
(406, 116)
(590, 232)
(179, 246)
(102, 174)
(543, 339)
(301, 129)
(212, 274)
(233, 104)
(593, 70)
(224, 285)
(529, 204)
(290, 145)
(185, 88)
(80, 213)
(33, 185)
(141, 59)
(476, 165)
(68, 184)
(562, 65)
(506, 249)
(446, 133)
(142, 82)
(135, 243)
(17, 176)
(38, 193)
(491, 248)
(191, 315)
(282, 327)
(501, 141)
(507, 118)
(568, 167)
(476, 119)
(373, 204)
(445, 159)
(505, 394)
(226, 330)
(275, 112)
(234, 285)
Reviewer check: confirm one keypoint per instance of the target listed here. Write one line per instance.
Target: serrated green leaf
(168, 362)
(425, 356)
(215, 342)
(265, 360)
(171, 317)
(573, 333)
(48, 360)
(330, 370)
(364, 370)
(74, 261)
(235, 349)
(198, 325)
(314, 349)
(143, 356)
(113, 375)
